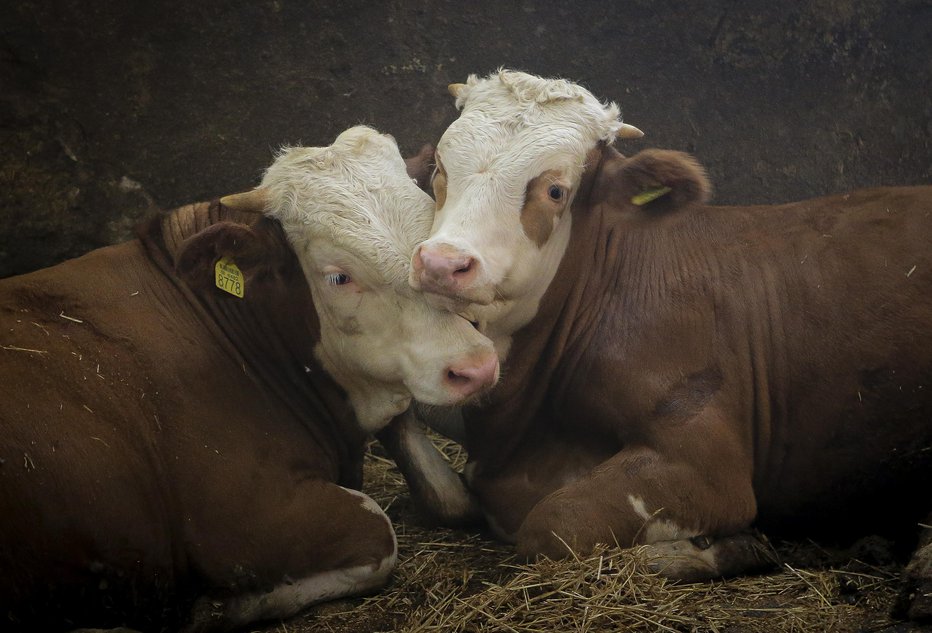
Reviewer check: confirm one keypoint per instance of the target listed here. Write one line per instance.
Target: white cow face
(507, 172)
(353, 217)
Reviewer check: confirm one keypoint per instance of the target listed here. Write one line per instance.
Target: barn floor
(458, 581)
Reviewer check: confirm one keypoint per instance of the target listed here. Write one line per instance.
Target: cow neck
(537, 350)
(270, 333)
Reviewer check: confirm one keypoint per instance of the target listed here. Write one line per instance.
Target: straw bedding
(463, 581)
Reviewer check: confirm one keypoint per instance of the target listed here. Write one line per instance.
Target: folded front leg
(672, 490)
(303, 544)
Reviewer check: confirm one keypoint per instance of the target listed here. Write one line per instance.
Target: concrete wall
(109, 110)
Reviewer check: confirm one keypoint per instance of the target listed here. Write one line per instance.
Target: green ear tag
(649, 195)
(229, 277)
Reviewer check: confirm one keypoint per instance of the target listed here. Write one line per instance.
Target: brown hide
(421, 166)
(162, 441)
(722, 365)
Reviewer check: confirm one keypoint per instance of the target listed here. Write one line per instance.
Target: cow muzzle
(446, 270)
(472, 376)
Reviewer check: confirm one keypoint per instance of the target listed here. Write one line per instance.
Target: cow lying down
(676, 373)
(179, 443)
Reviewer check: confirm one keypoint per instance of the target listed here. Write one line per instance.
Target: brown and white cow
(173, 453)
(675, 370)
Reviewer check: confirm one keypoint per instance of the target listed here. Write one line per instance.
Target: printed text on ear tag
(229, 277)
(649, 195)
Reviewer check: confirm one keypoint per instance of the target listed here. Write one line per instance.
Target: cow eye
(555, 192)
(337, 279)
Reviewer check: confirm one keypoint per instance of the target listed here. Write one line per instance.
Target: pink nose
(444, 269)
(473, 375)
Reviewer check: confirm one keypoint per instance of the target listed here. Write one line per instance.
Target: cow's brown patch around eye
(440, 189)
(542, 205)
(439, 184)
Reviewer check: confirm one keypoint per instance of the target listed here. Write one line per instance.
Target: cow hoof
(681, 560)
(703, 558)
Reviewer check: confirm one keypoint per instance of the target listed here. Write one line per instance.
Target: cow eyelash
(337, 279)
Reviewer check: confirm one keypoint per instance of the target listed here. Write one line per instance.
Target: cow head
(507, 171)
(353, 215)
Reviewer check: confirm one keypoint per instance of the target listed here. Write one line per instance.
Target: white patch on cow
(656, 529)
(291, 597)
(353, 217)
(513, 127)
(369, 504)
(288, 599)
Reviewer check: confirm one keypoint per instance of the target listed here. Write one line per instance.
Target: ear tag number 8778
(229, 277)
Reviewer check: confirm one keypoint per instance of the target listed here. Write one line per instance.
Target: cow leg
(915, 599)
(676, 490)
(326, 542)
(436, 488)
(536, 468)
(701, 558)
(448, 421)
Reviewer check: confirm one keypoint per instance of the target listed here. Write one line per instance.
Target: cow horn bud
(455, 89)
(255, 201)
(629, 131)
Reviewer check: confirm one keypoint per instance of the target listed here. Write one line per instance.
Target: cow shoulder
(654, 182)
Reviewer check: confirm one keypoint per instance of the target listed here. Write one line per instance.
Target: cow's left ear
(421, 166)
(251, 250)
(657, 181)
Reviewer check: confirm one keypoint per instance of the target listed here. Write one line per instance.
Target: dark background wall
(109, 110)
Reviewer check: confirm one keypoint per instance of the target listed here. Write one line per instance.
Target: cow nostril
(457, 379)
(417, 262)
(465, 268)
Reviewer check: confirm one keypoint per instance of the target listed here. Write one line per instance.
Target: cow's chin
(441, 396)
(459, 300)
(375, 408)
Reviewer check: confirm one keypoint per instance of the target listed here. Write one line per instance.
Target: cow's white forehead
(512, 118)
(530, 100)
(355, 194)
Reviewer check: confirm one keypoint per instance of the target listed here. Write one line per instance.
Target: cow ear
(246, 248)
(660, 181)
(421, 166)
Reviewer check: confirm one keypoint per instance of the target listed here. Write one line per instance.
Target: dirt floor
(452, 581)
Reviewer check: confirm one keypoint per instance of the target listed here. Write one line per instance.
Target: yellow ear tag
(649, 195)
(229, 277)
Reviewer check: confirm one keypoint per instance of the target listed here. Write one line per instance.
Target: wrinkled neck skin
(271, 332)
